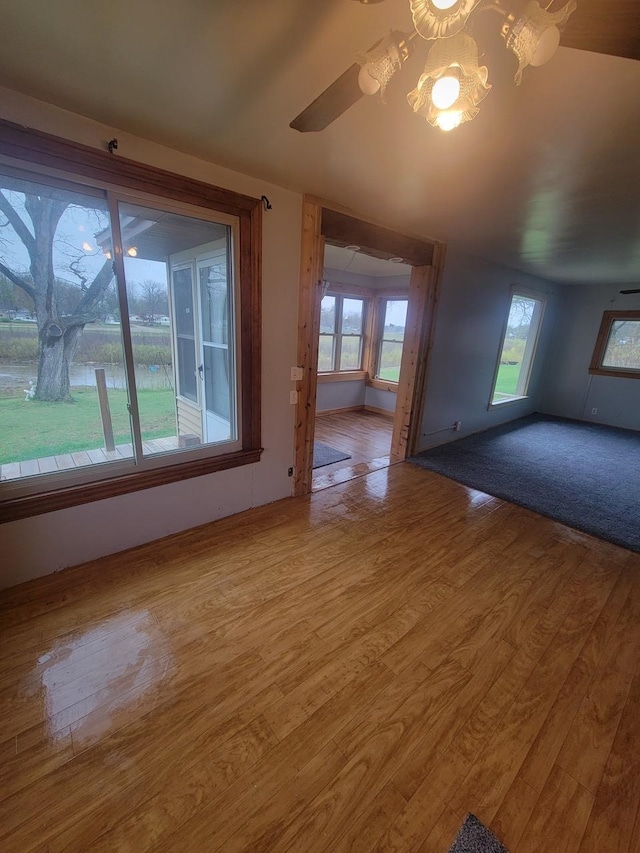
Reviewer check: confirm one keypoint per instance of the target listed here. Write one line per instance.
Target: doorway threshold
(350, 472)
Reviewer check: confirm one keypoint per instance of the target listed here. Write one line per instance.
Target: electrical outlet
(290, 472)
(297, 374)
(457, 426)
(293, 398)
(594, 411)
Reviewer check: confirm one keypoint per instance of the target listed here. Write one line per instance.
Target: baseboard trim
(326, 412)
(384, 412)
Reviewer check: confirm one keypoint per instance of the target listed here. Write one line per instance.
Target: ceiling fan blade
(637, 290)
(341, 94)
(612, 28)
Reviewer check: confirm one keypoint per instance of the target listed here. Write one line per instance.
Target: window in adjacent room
(617, 351)
(394, 320)
(518, 348)
(341, 328)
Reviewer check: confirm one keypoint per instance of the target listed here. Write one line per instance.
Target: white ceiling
(346, 260)
(546, 179)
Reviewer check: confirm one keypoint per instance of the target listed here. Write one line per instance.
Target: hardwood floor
(351, 671)
(365, 436)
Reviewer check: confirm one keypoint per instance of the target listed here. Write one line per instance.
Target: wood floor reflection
(351, 671)
(364, 435)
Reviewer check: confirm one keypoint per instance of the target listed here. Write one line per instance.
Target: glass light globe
(449, 121)
(547, 45)
(368, 84)
(444, 4)
(445, 92)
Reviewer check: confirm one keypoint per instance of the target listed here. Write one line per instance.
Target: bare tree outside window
(65, 280)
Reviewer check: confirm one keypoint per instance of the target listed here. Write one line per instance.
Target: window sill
(383, 384)
(619, 374)
(493, 405)
(37, 504)
(342, 376)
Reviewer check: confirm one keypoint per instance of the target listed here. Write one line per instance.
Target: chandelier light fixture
(453, 82)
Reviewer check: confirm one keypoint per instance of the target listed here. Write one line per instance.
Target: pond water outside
(14, 378)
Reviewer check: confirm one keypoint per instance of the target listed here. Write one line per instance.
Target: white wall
(380, 399)
(340, 395)
(569, 390)
(473, 308)
(46, 543)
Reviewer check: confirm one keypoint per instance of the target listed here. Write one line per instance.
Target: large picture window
(341, 329)
(518, 348)
(617, 350)
(124, 361)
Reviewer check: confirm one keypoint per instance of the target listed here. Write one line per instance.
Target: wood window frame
(336, 374)
(41, 153)
(374, 298)
(376, 345)
(604, 333)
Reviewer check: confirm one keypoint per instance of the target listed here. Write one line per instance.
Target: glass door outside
(217, 368)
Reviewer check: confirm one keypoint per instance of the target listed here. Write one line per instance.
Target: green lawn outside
(29, 327)
(390, 373)
(507, 380)
(31, 430)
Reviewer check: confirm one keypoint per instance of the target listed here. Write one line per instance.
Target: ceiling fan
(453, 82)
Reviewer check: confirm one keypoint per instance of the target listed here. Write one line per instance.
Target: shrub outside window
(617, 350)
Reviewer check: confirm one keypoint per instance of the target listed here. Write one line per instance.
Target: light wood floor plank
(611, 824)
(561, 813)
(351, 671)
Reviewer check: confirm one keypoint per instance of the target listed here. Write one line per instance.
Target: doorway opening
(349, 338)
(363, 318)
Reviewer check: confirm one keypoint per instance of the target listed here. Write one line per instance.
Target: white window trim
(531, 346)
(338, 334)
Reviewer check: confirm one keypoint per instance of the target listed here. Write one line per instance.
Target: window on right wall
(518, 348)
(393, 320)
(617, 350)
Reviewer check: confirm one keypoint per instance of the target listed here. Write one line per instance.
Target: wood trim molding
(328, 204)
(43, 149)
(36, 504)
(371, 327)
(326, 412)
(387, 413)
(391, 293)
(342, 230)
(427, 334)
(344, 376)
(421, 313)
(356, 290)
(80, 162)
(596, 368)
(311, 258)
(422, 296)
(383, 385)
(619, 374)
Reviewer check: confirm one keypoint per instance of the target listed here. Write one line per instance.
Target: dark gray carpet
(584, 475)
(474, 837)
(325, 455)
